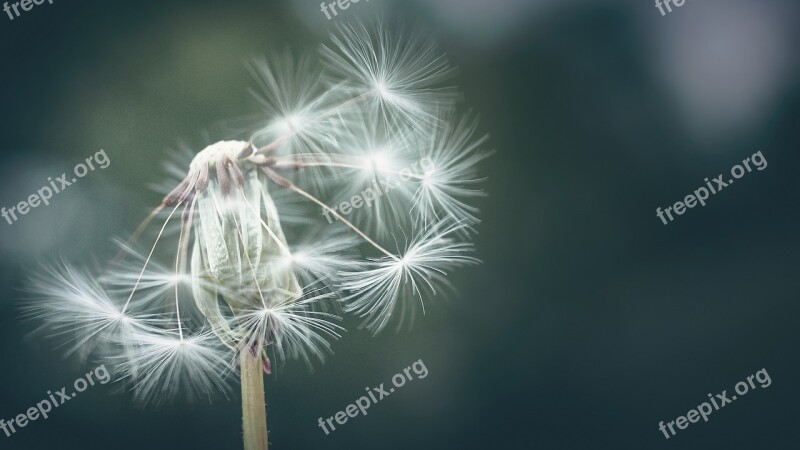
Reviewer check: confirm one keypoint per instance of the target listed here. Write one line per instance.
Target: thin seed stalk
(254, 408)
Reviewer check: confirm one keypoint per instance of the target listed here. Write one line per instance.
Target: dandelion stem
(254, 408)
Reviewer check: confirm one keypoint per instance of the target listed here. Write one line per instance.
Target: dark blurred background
(588, 323)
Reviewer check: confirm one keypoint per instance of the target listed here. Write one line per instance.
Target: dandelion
(242, 269)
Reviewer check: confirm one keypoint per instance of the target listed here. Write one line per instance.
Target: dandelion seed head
(355, 188)
(403, 77)
(218, 152)
(290, 124)
(388, 287)
(293, 329)
(165, 364)
(383, 91)
(378, 160)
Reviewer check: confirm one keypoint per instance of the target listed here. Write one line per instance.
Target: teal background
(589, 321)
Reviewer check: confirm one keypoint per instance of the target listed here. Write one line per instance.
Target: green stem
(254, 408)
